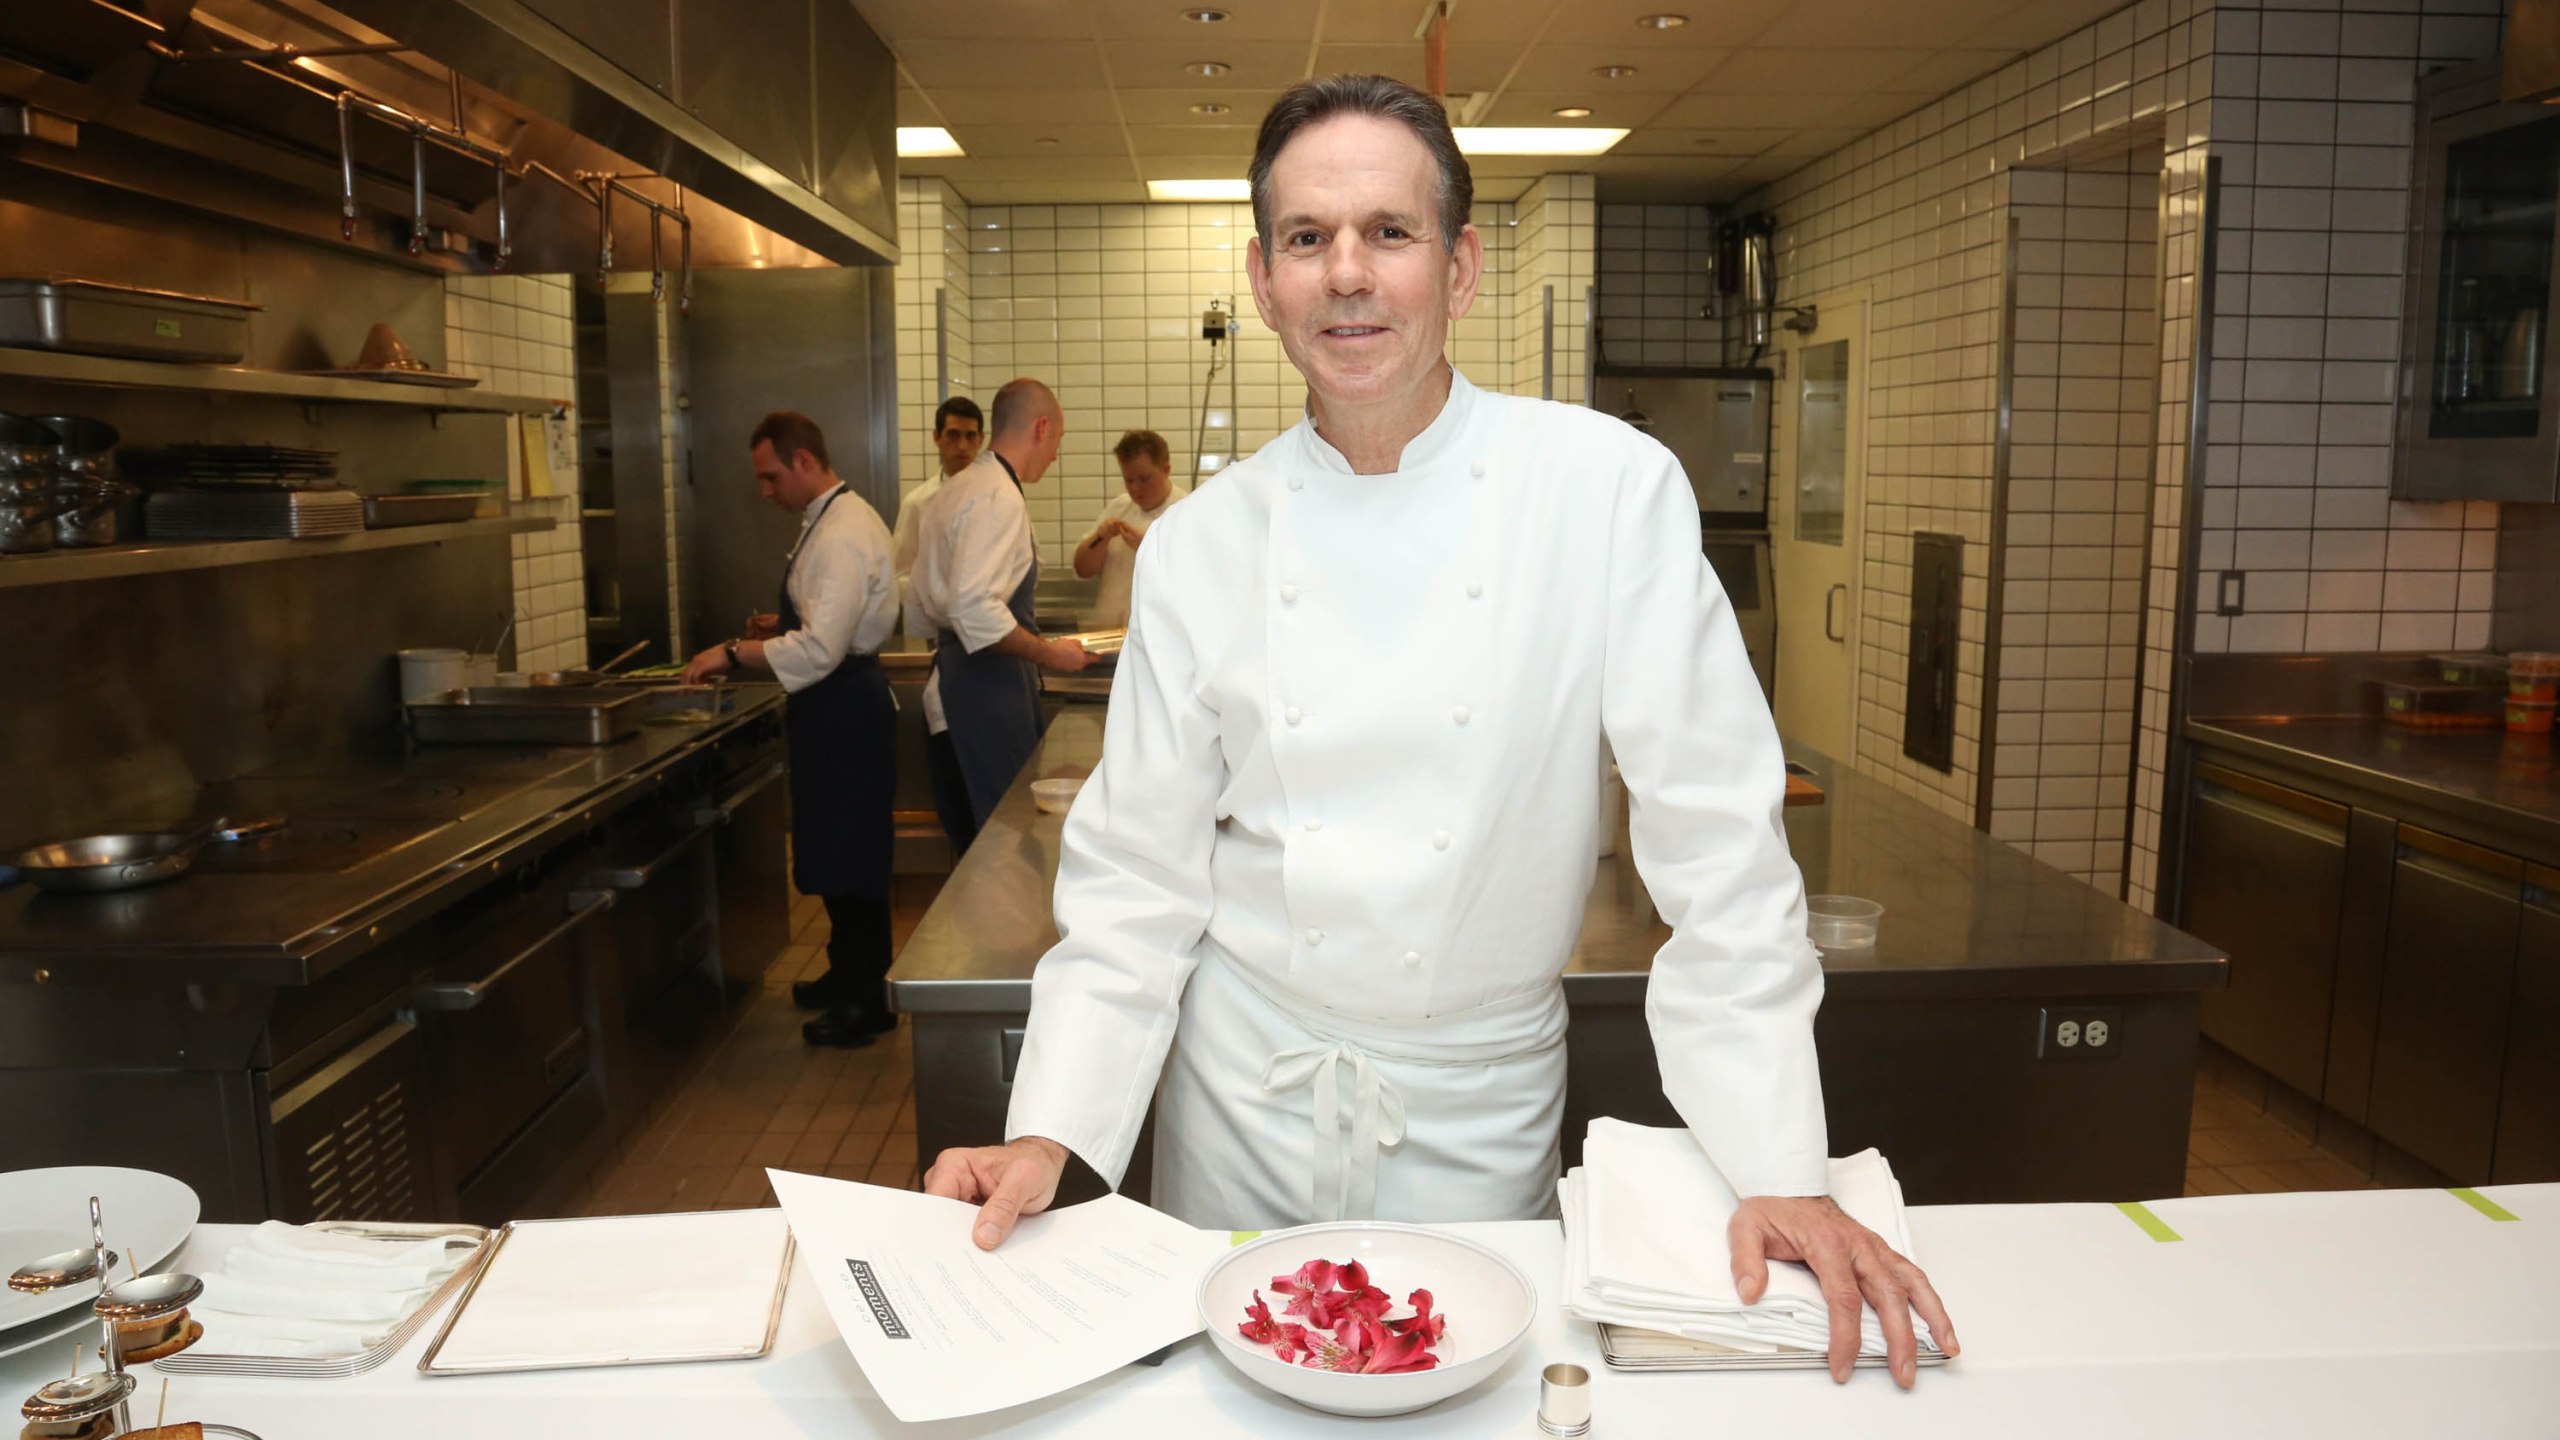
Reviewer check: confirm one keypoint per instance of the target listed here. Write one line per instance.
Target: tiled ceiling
(1062, 101)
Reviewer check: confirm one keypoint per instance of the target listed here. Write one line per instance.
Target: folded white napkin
(316, 1294)
(1645, 1217)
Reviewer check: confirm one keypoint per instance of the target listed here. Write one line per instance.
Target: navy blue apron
(843, 733)
(991, 702)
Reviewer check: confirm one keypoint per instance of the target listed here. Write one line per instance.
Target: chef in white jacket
(1317, 900)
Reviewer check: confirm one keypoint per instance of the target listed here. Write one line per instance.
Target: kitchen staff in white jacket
(1324, 884)
(959, 433)
(1110, 550)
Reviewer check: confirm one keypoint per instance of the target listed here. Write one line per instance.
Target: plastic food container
(2534, 675)
(428, 673)
(2440, 707)
(2529, 717)
(2470, 669)
(1842, 922)
(1054, 796)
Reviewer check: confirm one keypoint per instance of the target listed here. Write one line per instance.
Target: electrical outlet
(2079, 1032)
(2231, 593)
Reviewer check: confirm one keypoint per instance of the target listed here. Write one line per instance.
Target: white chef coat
(840, 580)
(903, 547)
(1111, 595)
(973, 546)
(1349, 793)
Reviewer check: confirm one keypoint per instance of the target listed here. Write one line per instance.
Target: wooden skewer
(76, 1347)
(160, 1422)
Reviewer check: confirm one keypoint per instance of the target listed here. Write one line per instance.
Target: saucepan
(95, 863)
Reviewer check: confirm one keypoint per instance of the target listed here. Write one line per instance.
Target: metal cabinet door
(2447, 973)
(2529, 1097)
(2266, 871)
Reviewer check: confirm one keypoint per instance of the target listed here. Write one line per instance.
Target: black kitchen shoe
(843, 1028)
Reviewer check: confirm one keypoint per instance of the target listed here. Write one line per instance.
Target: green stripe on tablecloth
(1238, 1237)
(2152, 1225)
(2481, 1203)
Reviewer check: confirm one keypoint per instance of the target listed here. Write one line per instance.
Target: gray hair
(1312, 101)
(1018, 404)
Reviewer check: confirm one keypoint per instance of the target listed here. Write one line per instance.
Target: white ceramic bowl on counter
(1488, 1300)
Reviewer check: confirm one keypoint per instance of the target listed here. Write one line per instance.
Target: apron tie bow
(1346, 1165)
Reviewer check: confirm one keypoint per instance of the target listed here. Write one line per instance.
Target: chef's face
(1359, 281)
(1148, 481)
(958, 440)
(790, 484)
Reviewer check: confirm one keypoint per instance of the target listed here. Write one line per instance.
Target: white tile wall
(1556, 244)
(515, 333)
(1658, 304)
(1104, 301)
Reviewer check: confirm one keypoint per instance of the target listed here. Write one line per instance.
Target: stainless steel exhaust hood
(710, 108)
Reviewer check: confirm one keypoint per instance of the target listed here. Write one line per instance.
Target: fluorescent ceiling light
(927, 142)
(1537, 139)
(1199, 190)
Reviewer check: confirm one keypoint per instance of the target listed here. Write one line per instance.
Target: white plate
(47, 1331)
(45, 1212)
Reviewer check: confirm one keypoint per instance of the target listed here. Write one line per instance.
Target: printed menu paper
(943, 1329)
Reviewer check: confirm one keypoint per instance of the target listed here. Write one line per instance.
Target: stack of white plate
(45, 1212)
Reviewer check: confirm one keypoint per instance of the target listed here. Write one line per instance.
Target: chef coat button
(1314, 936)
(1288, 593)
(1295, 715)
(1413, 959)
(1440, 840)
(1462, 714)
(1475, 589)
(1296, 483)
(1314, 825)
(1476, 469)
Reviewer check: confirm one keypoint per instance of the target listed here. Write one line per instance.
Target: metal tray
(528, 715)
(91, 317)
(385, 512)
(298, 1367)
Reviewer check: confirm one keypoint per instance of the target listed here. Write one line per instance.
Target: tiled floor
(760, 1097)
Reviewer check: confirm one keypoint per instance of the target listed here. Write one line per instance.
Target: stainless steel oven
(2479, 413)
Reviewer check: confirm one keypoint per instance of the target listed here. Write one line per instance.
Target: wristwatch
(730, 649)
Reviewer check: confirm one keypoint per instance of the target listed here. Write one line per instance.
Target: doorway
(1815, 531)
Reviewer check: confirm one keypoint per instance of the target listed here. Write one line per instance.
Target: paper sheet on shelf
(622, 1290)
(944, 1329)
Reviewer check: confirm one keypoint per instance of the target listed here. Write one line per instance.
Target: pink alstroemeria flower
(1422, 1322)
(1259, 1327)
(1349, 1329)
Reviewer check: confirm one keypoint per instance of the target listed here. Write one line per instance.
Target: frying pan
(95, 863)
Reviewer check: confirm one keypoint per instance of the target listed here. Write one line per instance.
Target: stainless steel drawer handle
(727, 810)
(635, 877)
(584, 905)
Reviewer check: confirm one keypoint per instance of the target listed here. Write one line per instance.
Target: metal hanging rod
(287, 53)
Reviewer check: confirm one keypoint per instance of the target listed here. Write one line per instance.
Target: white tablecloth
(2396, 1313)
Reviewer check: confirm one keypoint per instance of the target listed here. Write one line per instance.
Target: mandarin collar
(1436, 442)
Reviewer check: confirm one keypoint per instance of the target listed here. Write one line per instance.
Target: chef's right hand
(1069, 656)
(1005, 1182)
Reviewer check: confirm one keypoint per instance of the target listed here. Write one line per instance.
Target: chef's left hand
(1850, 1261)
(713, 661)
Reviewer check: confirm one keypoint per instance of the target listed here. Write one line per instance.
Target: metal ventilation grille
(361, 1169)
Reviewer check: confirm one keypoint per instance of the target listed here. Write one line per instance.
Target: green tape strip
(2481, 1203)
(2152, 1225)
(1238, 1237)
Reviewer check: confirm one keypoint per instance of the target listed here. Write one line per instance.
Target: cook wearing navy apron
(843, 733)
(992, 704)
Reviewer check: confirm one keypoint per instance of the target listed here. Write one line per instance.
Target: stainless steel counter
(2494, 785)
(271, 926)
(1964, 914)
(1930, 1044)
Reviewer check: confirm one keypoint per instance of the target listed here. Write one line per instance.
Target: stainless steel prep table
(1929, 1042)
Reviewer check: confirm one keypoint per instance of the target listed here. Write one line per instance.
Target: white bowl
(1488, 1300)
(1054, 796)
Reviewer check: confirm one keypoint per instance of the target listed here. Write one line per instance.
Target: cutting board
(1801, 791)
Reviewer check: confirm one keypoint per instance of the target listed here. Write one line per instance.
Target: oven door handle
(637, 877)
(584, 905)
(727, 810)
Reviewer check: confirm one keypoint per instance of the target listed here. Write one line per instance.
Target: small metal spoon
(53, 1272)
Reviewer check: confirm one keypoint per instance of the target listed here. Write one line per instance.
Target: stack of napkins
(1644, 1229)
(315, 1294)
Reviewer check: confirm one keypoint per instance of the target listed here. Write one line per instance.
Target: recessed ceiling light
(1614, 72)
(1199, 190)
(1537, 139)
(1572, 112)
(1661, 22)
(1205, 17)
(1207, 69)
(927, 142)
(1211, 108)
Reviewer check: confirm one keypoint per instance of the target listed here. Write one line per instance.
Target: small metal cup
(1564, 1401)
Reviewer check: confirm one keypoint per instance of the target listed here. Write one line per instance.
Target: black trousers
(858, 953)
(951, 793)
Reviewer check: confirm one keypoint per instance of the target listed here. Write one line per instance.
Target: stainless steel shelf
(153, 557)
(102, 372)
